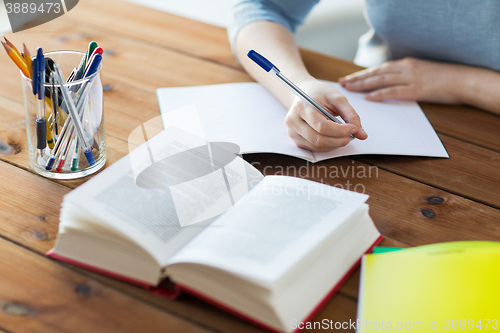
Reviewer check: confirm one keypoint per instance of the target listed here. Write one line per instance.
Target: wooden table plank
(465, 123)
(29, 214)
(13, 132)
(471, 171)
(186, 306)
(40, 295)
(156, 27)
(340, 309)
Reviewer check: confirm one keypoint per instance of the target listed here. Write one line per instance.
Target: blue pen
(91, 70)
(270, 68)
(39, 90)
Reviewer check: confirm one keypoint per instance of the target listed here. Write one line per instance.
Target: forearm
(479, 87)
(278, 45)
(305, 125)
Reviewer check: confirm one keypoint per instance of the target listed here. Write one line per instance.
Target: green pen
(83, 63)
(76, 157)
(91, 48)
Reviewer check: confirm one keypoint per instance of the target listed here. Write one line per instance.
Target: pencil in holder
(65, 127)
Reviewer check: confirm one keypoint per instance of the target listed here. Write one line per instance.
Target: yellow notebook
(446, 287)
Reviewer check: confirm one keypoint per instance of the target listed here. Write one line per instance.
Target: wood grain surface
(413, 200)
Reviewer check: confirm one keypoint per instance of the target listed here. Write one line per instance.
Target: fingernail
(354, 130)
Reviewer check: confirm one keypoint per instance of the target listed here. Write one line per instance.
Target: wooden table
(413, 200)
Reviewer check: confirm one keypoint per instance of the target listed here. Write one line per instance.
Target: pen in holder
(64, 114)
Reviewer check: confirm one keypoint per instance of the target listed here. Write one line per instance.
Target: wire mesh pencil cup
(63, 156)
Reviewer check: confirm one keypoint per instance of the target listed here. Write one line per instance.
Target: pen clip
(34, 80)
(40, 59)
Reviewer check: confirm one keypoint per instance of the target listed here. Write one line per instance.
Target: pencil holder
(65, 129)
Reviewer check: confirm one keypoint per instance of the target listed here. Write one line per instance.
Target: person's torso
(461, 31)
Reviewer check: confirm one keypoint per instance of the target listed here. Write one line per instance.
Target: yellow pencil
(14, 48)
(24, 64)
(18, 60)
(27, 59)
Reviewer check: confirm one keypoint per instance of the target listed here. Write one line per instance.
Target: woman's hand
(408, 79)
(311, 130)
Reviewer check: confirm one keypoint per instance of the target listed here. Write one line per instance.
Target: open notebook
(248, 115)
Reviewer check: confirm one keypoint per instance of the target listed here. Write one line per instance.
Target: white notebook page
(248, 115)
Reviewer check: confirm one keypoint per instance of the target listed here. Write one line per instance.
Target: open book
(268, 248)
(248, 115)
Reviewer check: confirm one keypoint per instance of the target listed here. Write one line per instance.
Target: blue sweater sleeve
(289, 13)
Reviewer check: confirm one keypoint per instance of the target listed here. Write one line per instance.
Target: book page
(242, 113)
(162, 209)
(279, 222)
(248, 115)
